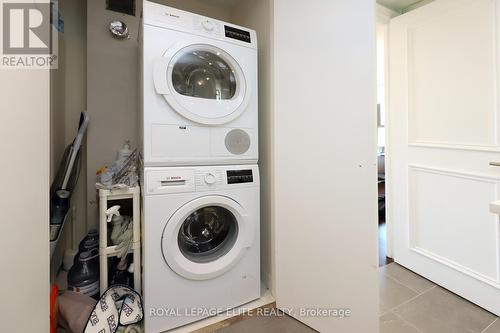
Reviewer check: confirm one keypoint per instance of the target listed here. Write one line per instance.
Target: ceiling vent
(121, 6)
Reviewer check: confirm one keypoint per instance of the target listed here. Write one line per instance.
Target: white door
(324, 155)
(444, 127)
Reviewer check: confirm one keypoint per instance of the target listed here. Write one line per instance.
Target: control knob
(210, 178)
(208, 25)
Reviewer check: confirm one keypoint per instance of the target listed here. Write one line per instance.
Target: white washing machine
(201, 247)
(199, 89)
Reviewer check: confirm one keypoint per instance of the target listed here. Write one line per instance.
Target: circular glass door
(203, 74)
(202, 83)
(207, 234)
(206, 237)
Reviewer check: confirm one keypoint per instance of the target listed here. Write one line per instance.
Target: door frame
(384, 15)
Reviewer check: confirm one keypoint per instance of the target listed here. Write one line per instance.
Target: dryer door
(202, 82)
(206, 237)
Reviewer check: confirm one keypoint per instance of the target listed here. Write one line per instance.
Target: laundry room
(207, 166)
(236, 166)
(213, 163)
(98, 115)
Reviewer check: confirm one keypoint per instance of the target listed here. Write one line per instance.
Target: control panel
(207, 25)
(238, 34)
(160, 180)
(163, 16)
(239, 176)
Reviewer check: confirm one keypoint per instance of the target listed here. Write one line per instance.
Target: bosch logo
(172, 15)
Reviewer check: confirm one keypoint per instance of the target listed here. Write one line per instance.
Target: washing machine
(199, 89)
(201, 247)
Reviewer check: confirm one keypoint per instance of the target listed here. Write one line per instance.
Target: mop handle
(84, 122)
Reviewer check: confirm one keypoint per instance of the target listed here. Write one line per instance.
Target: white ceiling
(397, 5)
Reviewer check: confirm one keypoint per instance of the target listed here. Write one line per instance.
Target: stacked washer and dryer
(199, 126)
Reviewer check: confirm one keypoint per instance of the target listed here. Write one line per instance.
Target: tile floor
(412, 304)
(283, 324)
(408, 304)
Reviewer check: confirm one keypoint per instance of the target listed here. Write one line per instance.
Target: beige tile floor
(408, 304)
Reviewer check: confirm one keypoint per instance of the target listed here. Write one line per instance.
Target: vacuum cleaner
(65, 181)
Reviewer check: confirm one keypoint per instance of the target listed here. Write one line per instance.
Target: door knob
(497, 164)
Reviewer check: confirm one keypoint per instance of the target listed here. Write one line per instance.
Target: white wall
(112, 84)
(325, 173)
(257, 15)
(24, 202)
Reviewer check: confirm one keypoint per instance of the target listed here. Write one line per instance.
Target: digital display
(237, 34)
(239, 176)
